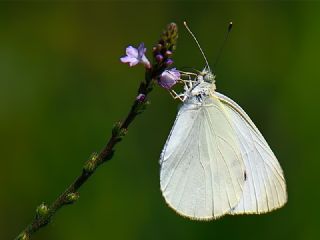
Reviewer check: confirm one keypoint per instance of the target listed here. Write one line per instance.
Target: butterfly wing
(202, 172)
(265, 187)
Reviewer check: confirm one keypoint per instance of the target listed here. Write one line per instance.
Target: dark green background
(62, 87)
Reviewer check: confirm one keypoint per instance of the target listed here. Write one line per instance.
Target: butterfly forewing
(202, 171)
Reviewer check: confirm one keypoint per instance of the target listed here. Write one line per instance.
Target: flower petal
(145, 61)
(169, 78)
(175, 72)
(126, 59)
(132, 52)
(133, 62)
(141, 50)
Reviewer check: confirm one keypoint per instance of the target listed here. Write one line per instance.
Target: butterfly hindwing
(265, 187)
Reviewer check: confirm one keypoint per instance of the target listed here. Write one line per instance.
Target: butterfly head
(206, 75)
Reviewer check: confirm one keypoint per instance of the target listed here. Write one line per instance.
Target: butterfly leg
(176, 96)
(187, 82)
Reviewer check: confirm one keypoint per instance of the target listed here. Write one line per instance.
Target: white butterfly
(215, 161)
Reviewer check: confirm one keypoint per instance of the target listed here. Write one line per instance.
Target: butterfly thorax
(200, 93)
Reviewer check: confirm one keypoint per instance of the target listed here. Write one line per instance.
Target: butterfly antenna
(223, 44)
(195, 39)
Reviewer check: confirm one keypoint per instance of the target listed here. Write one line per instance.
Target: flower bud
(169, 62)
(159, 58)
(71, 197)
(42, 210)
(168, 53)
(141, 97)
(90, 165)
(23, 236)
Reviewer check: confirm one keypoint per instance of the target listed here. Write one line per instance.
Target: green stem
(70, 195)
(45, 213)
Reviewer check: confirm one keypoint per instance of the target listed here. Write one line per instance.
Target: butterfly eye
(208, 77)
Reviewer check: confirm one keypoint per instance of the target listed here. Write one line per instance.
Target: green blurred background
(62, 87)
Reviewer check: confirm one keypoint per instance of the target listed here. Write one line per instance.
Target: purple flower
(141, 97)
(169, 78)
(135, 56)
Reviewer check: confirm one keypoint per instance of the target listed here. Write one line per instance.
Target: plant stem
(45, 213)
(70, 194)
